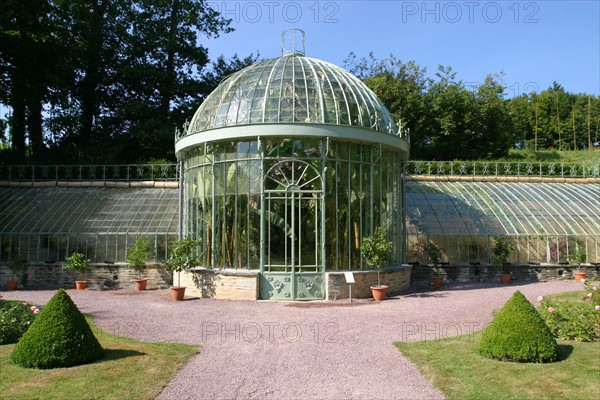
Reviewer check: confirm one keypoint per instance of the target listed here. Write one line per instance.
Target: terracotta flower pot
(505, 279)
(177, 292)
(80, 285)
(438, 281)
(379, 292)
(140, 284)
(579, 276)
(11, 285)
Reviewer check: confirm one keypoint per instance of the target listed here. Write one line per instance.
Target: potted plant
(77, 262)
(579, 256)
(137, 256)
(435, 257)
(500, 254)
(16, 267)
(377, 251)
(181, 258)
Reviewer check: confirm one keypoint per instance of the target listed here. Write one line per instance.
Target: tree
(522, 110)
(446, 120)
(402, 87)
(495, 128)
(29, 56)
(558, 119)
(83, 76)
(164, 56)
(467, 124)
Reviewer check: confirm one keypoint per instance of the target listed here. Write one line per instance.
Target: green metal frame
(93, 173)
(484, 168)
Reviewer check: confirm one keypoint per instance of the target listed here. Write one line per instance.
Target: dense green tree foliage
(450, 120)
(556, 119)
(30, 59)
(84, 76)
(105, 81)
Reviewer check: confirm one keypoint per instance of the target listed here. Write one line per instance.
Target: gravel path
(317, 350)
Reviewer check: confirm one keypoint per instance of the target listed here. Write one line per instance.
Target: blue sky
(533, 42)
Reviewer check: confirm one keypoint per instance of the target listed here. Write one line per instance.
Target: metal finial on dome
(293, 42)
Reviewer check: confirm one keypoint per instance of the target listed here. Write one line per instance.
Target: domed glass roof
(292, 89)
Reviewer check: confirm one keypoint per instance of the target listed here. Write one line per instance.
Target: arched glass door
(292, 231)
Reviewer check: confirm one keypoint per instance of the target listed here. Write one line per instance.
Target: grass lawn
(454, 366)
(576, 296)
(129, 370)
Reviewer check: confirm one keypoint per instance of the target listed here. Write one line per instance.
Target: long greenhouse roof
(88, 210)
(502, 208)
(432, 208)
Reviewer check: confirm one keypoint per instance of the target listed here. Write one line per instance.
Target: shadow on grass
(117, 354)
(564, 351)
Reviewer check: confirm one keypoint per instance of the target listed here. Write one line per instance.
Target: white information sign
(349, 277)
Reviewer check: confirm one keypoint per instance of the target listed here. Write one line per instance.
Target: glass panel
(253, 232)
(300, 95)
(331, 216)
(355, 215)
(342, 151)
(313, 98)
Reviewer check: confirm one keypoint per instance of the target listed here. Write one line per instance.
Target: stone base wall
(397, 279)
(220, 283)
(491, 273)
(244, 284)
(102, 277)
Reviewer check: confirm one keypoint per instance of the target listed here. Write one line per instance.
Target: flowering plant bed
(15, 319)
(574, 315)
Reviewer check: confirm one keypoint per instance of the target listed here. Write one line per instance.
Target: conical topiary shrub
(518, 333)
(59, 337)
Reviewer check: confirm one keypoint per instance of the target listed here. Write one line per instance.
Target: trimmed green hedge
(518, 333)
(59, 337)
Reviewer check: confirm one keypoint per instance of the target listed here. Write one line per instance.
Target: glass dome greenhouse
(286, 166)
(292, 89)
